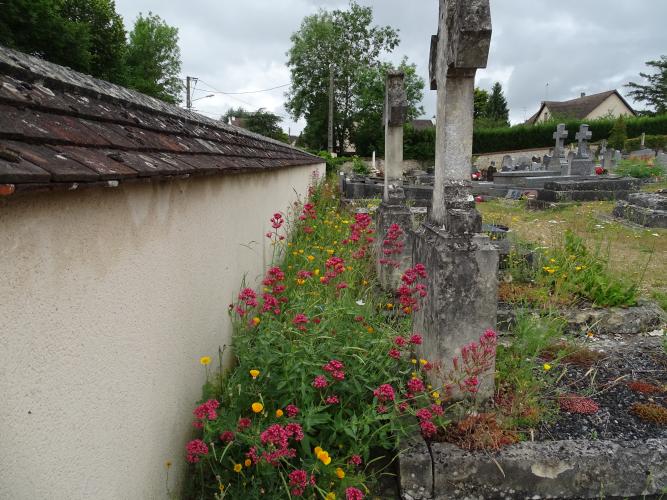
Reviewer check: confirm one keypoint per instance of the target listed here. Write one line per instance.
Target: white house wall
(108, 297)
(612, 106)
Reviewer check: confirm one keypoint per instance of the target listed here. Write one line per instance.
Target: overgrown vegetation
(639, 169)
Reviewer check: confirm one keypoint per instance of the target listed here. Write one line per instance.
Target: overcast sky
(573, 46)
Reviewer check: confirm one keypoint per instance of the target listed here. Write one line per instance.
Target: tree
(153, 60)
(496, 107)
(261, 122)
(481, 100)
(38, 27)
(343, 43)
(106, 33)
(654, 94)
(618, 134)
(368, 134)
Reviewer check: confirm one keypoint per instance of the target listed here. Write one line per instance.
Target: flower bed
(324, 369)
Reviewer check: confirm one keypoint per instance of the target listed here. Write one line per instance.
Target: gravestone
(582, 163)
(523, 163)
(558, 159)
(461, 263)
(394, 252)
(507, 163)
(546, 161)
(643, 154)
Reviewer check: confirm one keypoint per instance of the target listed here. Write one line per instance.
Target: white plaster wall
(107, 300)
(613, 106)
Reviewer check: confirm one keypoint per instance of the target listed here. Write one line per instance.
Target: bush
(639, 169)
(419, 144)
(618, 134)
(359, 166)
(333, 163)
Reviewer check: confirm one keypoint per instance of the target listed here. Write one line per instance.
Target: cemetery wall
(109, 298)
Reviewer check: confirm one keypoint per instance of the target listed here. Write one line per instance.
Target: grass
(636, 255)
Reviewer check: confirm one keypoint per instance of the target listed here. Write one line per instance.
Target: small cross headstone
(559, 149)
(395, 114)
(583, 136)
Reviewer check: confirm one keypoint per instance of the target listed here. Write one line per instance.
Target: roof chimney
(583, 94)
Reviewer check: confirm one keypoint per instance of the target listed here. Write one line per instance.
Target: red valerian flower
(415, 385)
(277, 221)
(243, 423)
(207, 410)
(399, 341)
(355, 460)
(394, 353)
(298, 480)
(384, 393)
(424, 414)
(292, 411)
(332, 400)
(416, 339)
(353, 494)
(320, 382)
(227, 437)
(428, 428)
(195, 449)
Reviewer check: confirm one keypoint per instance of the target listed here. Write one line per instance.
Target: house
(127, 225)
(422, 124)
(586, 107)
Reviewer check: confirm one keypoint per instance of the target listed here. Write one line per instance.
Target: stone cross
(603, 147)
(461, 263)
(457, 51)
(560, 135)
(583, 136)
(395, 114)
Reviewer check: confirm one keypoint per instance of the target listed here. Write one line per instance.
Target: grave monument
(582, 163)
(393, 248)
(461, 263)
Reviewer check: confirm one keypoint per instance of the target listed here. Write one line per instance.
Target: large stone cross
(457, 51)
(583, 136)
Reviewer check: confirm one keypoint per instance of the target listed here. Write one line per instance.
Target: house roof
(63, 129)
(578, 108)
(421, 124)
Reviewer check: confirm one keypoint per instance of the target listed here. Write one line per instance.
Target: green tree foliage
(106, 34)
(261, 122)
(344, 42)
(496, 112)
(368, 135)
(38, 27)
(618, 134)
(481, 100)
(153, 60)
(654, 93)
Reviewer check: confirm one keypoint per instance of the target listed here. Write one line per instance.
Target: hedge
(652, 142)
(420, 144)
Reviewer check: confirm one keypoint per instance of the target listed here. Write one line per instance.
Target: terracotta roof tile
(58, 126)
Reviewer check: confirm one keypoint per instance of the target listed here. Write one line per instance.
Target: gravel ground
(626, 358)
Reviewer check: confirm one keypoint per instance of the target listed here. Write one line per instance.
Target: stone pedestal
(389, 273)
(581, 167)
(462, 301)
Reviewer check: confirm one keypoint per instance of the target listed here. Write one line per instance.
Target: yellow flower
(310, 258)
(323, 456)
(323, 279)
(546, 367)
(289, 244)
(435, 394)
(256, 321)
(553, 261)
(370, 329)
(205, 360)
(248, 462)
(254, 374)
(330, 252)
(413, 361)
(364, 282)
(330, 496)
(295, 252)
(300, 251)
(590, 335)
(300, 282)
(578, 268)
(317, 451)
(316, 272)
(238, 467)
(340, 473)
(167, 464)
(326, 460)
(350, 268)
(423, 362)
(221, 486)
(257, 407)
(390, 306)
(279, 413)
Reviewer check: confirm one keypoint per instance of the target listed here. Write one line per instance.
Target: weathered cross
(457, 51)
(583, 136)
(560, 135)
(395, 114)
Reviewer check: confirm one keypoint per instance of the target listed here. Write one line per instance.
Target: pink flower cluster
(291, 411)
(412, 290)
(393, 244)
(335, 266)
(300, 321)
(476, 358)
(277, 438)
(227, 437)
(355, 460)
(425, 417)
(277, 221)
(308, 212)
(384, 393)
(195, 449)
(299, 481)
(358, 229)
(335, 368)
(400, 343)
(353, 494)
(205, 411)
(247, 298)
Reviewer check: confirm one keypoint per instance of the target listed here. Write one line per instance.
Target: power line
(248, 92)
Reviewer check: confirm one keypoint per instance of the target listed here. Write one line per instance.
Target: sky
(540, 49)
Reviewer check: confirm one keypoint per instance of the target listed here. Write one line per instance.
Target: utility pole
(331, 109)
(188, 90)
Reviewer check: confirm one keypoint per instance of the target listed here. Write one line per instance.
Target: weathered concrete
(462, 300)
(415, 469)
(395, 113)
(588, 189)
(556, 469)
(646, 209)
